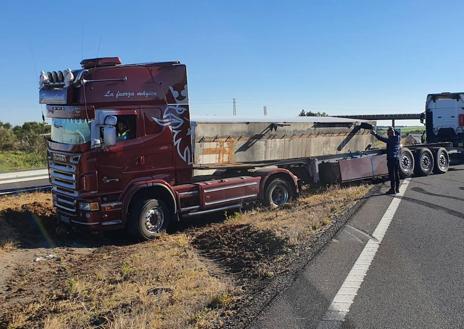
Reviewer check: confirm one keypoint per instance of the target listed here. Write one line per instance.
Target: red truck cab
(120, 153)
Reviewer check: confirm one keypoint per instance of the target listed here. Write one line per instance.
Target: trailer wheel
(149, 218)
(406, 163)
(278, 193)
(441, 160)
(424, 161)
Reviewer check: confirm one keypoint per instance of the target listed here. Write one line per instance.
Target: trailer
(124, 152)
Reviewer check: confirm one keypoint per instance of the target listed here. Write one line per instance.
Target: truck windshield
(70, 131)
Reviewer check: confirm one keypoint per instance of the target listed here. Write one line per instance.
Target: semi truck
(443, 139)
(124, 152)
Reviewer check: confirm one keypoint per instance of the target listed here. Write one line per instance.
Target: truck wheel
(149, 218)
(406, 163)
(424, 161)
(278, 193)
(441, 160)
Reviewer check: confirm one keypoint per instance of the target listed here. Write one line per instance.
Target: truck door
(157, 146)
(118, 164)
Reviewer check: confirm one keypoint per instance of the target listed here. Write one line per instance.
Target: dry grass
(259, 244)
(17, 201)
(308, 214)
(182, 280)
(7, 245)
(159, 284)
(16, 215)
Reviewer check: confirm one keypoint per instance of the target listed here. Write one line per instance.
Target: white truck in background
(444, 118)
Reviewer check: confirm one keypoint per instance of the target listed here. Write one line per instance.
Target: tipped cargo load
(229, 141)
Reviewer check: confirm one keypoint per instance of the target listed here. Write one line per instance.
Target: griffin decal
(179, 95)
(174, 117)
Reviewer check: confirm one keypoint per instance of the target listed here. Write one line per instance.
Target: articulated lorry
(125, 153)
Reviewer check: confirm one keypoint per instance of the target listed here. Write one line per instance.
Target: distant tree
(304, 113)
(5, 125)
(30, 134)
(7, 139)
(29, 137)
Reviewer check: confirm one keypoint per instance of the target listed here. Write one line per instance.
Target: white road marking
(340, 306)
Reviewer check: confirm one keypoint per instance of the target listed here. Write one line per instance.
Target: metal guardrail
(392, 117)
(6, 179)
(23, 176)
(398, 116)
(44, 188)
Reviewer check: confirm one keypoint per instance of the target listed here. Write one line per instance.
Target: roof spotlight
(43, 80)
(68, 77)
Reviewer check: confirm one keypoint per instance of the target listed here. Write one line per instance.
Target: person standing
(393, 142)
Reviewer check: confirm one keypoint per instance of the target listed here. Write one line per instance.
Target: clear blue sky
(340, 57)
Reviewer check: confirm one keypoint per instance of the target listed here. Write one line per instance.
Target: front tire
(149, 218)
(278, 193)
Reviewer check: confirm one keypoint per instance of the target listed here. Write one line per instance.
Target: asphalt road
(416, 278)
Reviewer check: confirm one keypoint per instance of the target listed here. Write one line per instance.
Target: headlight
(89, 206)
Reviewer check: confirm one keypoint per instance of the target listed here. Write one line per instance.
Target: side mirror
(111, 120)
(95, 143)
(109, 135)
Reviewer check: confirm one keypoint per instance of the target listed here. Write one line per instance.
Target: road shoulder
(315, 279)
(265, 300)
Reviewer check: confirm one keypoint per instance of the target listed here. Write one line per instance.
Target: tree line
(28, 137)
(304, 113)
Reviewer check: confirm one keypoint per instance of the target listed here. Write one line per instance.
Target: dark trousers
(394, 173)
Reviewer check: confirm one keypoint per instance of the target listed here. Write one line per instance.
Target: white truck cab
(445, 118)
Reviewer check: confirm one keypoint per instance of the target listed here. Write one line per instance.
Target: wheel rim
(154, 219)
(426, 163)
(279, 195)
(442, 162)
(406, 163)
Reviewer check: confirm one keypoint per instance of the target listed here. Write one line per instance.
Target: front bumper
(93, 220)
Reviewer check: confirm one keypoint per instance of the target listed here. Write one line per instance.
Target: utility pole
(265, 110)
(234, 107)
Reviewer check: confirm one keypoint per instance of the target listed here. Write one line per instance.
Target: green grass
(405, 130)
(412, 130)
(19, 160)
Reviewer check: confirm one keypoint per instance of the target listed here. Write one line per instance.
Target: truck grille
(63, 179)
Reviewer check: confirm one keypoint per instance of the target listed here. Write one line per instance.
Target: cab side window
(125, 127)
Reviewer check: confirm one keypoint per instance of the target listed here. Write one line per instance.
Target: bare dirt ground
(201, 276)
